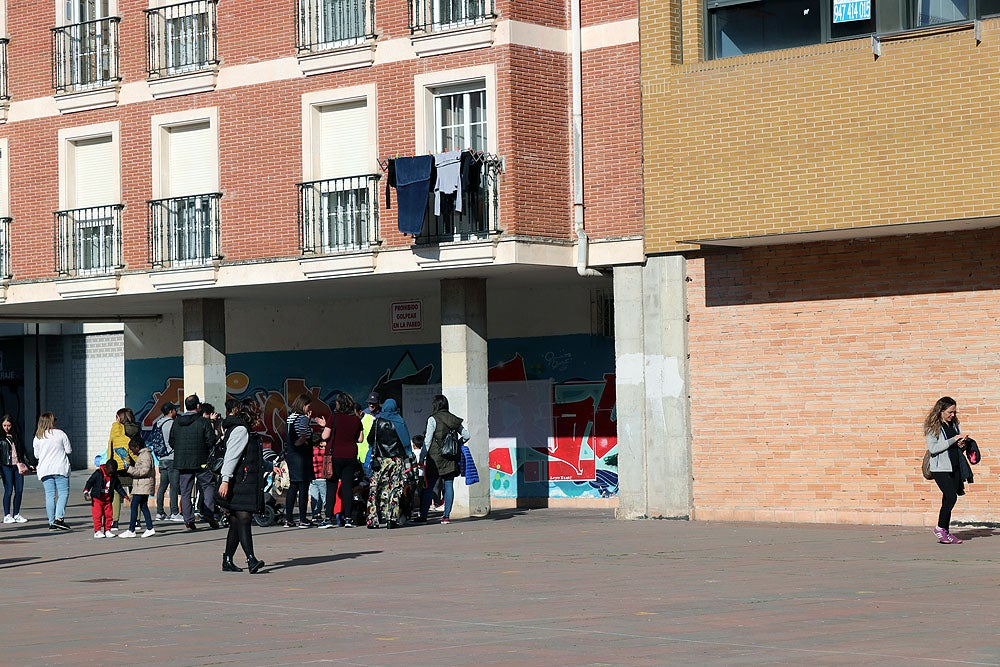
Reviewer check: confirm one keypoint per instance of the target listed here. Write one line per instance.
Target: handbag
(925, 466)
(327, 466)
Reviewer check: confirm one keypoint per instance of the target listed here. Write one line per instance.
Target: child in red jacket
(99, 490)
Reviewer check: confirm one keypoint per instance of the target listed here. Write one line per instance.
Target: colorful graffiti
(552, 402)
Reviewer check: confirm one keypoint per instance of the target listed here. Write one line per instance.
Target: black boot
(253, 564)
(228, 565)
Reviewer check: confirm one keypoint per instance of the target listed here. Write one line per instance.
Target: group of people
(328, 457)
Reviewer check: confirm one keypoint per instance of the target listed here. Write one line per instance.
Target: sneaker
(161, 517)
(191, 526)
(326, 523)
(305, 524)
(99, 534)
(8, 519)
(127, 533)
(176, 518)
(940, 534)
(19, 519)
(149, 533)
(445, 520)
(53, 526)
(348, 523)
(289, 524)
(60, 524)
(950, 539)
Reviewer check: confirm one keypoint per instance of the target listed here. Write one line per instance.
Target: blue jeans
(13, 484)
(55, 507)
(140, 501)
(317, 497)
(428, 493)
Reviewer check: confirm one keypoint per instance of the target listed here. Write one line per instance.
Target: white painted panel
(191, 160)
(94, 172)
(343, 140)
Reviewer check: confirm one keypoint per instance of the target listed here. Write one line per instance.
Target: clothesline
(493, 162)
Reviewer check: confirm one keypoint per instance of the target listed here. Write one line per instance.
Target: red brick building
(212, 174)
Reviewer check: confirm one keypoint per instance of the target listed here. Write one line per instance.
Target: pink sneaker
(940, 534)
(950, 539)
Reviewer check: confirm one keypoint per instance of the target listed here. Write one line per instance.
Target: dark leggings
(344, 469)
(239, 533)
(946, 482)
(298, 490)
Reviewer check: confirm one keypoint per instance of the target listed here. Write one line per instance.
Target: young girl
(143, 475)
(99, 490)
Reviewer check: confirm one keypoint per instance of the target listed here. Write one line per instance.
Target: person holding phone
(945, 443)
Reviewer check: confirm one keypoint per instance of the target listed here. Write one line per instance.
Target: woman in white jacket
(945, 444)
(52, 451)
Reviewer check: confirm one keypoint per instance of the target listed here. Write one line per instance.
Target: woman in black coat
(242, 489)
(298, 457)
(14, 462)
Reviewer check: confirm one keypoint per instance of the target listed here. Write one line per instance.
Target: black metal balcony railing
(89, 240)
(184, 231)
(328, 24)
(480, 206)
(433, 15)
(338, 214)
(85, 55)
(4, 85)
(5, 272)
(182, 38)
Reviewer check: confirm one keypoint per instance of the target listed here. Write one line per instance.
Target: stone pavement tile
(559, 587)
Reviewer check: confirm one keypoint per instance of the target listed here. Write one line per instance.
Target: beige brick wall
(813, 367)
(815, 138)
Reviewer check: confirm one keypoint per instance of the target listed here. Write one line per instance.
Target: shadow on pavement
(976, 533)
(315, 560)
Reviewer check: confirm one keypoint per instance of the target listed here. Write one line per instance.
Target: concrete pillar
(654, 438)
(204, 323)
(464, 381)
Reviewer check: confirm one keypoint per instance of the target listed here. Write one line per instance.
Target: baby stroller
(275, 486)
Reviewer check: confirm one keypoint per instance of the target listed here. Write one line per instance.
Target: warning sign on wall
(406, 316)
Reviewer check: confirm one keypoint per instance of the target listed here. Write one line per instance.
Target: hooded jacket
(191, 438)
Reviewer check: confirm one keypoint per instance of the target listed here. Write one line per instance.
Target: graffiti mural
(552, 402)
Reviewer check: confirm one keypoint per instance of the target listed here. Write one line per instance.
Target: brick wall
(821, 137)
(813, 367)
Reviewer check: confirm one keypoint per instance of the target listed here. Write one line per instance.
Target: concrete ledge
(80, 288)
(553, 503)
(184, 278)
(451, 41)
(86, 100)
(339, 59)
(331, 266)
(183, 84)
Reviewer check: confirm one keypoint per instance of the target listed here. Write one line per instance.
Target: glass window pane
(764, 26)
(988, 7)
(931, 12)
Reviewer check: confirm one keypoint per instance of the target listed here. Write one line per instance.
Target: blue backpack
(155, 441)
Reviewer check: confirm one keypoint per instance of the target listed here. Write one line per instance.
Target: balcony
(182, 43)
(478, 219)
(4, 85)
(334, 35)
(5, 272)
(447, 26)
(184, 231)
(85, 64)
(89, 241)
(338, 214)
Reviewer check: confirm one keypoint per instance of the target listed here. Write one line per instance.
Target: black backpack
(451, 445)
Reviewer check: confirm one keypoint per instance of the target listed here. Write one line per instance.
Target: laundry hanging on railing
(449, 179)
(414, 176)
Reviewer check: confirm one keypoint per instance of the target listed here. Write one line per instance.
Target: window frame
(426, 93)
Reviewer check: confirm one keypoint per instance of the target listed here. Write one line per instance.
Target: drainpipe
(581, 235)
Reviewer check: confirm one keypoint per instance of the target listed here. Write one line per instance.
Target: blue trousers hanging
(413, 185)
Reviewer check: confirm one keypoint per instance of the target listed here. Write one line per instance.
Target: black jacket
(385, 441)
(25, 457)
(95, 486)
(191, 438)
(247, 493)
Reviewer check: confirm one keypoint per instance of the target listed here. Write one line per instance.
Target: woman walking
(391, 458)
(122, 431)
(242, 489)
(945, 444)
(15, 462)
(52, 450)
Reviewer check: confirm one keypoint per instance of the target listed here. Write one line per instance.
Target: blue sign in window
(851, 10)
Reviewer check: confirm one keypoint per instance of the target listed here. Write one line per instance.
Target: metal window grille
(182, 38)
(4, 82)
(338, 214)
(602, 319)
(85, 55)
(5, 271)
(89, 240)
(434, 15)
(327, 24)
(184, 231)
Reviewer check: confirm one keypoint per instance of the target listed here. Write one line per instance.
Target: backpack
(451, 445)
(155, 441)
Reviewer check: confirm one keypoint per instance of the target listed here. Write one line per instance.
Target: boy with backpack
(157, 440)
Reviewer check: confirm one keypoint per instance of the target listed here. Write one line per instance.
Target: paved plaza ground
(552, 587)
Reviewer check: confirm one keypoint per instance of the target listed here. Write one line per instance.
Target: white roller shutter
(95, 173)
(343, 140)
(191, 157)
